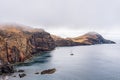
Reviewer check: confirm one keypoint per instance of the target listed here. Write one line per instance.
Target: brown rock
(49, 71)
(18, 44)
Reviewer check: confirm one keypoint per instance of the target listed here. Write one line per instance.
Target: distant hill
(90, 38)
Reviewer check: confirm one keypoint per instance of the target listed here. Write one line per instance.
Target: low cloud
(63, 15)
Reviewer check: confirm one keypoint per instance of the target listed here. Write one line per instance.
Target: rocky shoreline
(19, 43)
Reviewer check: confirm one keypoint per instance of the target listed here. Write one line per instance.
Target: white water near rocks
(96, 62)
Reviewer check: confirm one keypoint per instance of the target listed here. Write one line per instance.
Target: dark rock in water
(14, 76)
(49, 71)
(6, 69)
(48, 56)
(37, 73)
(71, 54)
(21, 70)
(22, 75)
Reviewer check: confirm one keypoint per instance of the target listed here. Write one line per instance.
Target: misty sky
(64, 17)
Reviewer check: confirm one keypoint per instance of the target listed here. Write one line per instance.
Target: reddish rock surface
(18, 44)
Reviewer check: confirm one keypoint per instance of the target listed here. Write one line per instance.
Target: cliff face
(90, 38)
(18, 44)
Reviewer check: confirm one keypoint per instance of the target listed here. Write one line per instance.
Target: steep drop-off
(18, 44)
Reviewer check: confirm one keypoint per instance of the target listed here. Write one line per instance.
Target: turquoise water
(96, 62)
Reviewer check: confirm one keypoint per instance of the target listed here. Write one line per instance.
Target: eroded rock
(37, 73)
(71, 54)
(22, 75)
(20, 70)
(49, 71)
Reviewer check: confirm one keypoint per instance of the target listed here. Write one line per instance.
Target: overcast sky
(64, 17)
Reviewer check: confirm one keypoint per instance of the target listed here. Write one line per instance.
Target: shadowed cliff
(18, 43)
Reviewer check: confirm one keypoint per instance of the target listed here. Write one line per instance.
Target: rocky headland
(18, 43)
(89, 38)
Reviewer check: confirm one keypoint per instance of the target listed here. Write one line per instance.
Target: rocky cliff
(18, 43)
(90, 38)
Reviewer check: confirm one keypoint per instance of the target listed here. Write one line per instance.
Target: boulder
(37, 73)
(20, 70)
(49, 71)
(22, 75)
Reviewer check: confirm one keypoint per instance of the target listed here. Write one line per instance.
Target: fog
(64, 17)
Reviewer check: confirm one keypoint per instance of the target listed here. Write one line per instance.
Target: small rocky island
(19, 43)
